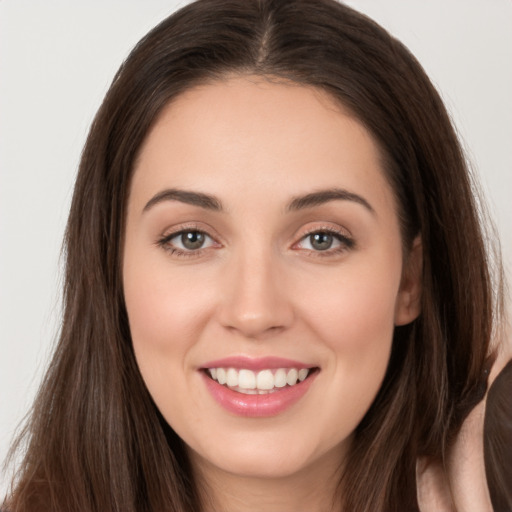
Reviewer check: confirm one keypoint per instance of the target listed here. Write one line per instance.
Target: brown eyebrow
(324, 196)
(194, 198)
(298, 203)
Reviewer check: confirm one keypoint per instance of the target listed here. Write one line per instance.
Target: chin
(266, 459)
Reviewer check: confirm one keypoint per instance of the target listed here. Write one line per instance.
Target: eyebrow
(324, 196)
(209, 202)
(184, 196)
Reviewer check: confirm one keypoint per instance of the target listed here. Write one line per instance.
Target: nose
(255, 300)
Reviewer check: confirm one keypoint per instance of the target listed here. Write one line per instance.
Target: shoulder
(478, 472)
(498, 439)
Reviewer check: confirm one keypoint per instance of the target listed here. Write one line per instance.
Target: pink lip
(258, 406)
(255, 364)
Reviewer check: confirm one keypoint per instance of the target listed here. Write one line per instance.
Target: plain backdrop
(57, 59)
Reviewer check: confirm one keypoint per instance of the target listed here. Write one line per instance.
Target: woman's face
(263, 246)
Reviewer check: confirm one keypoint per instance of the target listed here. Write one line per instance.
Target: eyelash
(164, 242)
(346, 242)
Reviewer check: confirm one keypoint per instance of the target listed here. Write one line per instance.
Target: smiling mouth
(262, 382)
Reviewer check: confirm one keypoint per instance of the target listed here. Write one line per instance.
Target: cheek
(353, 316)
(354, 311)
(167, 311)
(163, 304)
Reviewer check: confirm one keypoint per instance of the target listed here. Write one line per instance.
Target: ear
(408, 302)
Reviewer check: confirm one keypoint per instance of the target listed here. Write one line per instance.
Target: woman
(277, 289)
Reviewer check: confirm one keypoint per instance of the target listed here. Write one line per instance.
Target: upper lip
(255, 363)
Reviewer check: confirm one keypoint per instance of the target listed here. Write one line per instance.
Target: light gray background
(57, 59)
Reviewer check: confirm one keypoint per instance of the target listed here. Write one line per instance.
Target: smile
(257, 388)
(262, 382)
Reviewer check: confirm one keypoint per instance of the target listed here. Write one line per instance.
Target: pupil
(192, 239)
(321, 241)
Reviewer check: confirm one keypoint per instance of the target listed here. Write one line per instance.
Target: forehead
(255, 135)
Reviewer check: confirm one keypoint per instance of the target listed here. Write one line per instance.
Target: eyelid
(200, 227)
(345, 238)
(172, 236)
(322, 227)
(342, 235)
(163, 241)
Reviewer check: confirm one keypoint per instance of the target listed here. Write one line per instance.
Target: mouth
(258, 387)
(262, 382)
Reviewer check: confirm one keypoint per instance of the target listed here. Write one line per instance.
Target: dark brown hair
(95, 440)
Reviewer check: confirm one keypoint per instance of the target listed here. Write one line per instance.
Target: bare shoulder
(478, 473)
(498, 440)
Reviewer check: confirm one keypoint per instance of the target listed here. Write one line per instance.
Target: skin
(462, 484)
(259, 288)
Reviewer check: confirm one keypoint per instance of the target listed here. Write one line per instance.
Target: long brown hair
(95, 440)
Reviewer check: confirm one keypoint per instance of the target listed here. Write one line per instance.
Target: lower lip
(258, 406)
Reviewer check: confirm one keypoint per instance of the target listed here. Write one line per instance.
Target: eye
(191, 240)
(321, 241)
(325, 241)
(187, 241)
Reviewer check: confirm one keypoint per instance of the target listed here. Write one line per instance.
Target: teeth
(262, 382)
(280, 378)
(265, 380)
(221, 375)
(292, 377)
(232, 378)
(246, 379)
(303, 373)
